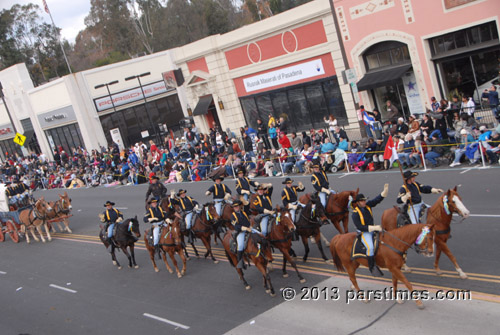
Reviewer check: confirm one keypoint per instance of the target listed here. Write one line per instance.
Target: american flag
(45, 6)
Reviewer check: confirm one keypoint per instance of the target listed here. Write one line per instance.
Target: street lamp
(7, 109)
(109, 93)
(138, 77)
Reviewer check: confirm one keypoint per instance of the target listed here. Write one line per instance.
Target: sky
(67, 14)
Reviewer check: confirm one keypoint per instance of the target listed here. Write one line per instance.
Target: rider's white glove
(197, 208)
(351, 198)
(245, 192)
(151, 219)
(405, 197)
(227, 196)
(268, 185)
(119, 220)
(291, 206)
(257, 183)
(436, 190)
(374, 228)
(301, 186)
(385, 192)
(267, 211)
(101, 216)
(207, 193)
(325, 190)
(172, 194)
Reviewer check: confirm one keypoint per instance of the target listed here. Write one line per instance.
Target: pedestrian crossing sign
(19, 139)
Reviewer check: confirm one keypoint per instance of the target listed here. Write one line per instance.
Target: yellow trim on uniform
(357, 210)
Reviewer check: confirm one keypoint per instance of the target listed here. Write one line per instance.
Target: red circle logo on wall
(289, 41)
(254, 53)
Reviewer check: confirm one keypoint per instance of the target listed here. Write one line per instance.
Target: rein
(393, 248)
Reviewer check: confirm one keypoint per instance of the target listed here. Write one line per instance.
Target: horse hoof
(129, 267)
(285, 275)
(328, 261)
(366, 301)
(439, 272)
(114, 262)
(248, 287)
(50, 239)
(44, 241)
(400, 301)
(70, 231)
(119, 268)
(273, 294)
(420, 305)
(179, 275)
(136, 267)
(268, 291)
(302, 281)
(462, 274)
(157, 270)
(405, 268)
(216, 262)
(171, 271)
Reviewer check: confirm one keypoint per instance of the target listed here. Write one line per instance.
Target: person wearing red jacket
(284, 141)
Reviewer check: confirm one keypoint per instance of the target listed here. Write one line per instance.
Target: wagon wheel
(12, 231)
(2, 238)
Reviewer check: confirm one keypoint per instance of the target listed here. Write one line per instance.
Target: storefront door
(396, 94)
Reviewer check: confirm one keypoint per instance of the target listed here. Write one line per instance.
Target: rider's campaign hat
(218, 177)
(360, 197)
(260, 187)
(155, 177)
(181, 191)
(237, 203)
(152, 200)
(109, 203)
(408, 174)
(316, 166)
(287, 180)
(240, 170)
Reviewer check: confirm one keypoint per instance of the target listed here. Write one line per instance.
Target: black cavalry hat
(360, 197)
(152, 200)
(237, 203)
(218, 177)
(287, 180)
(408, 174)
(109, 203)
(181, 191)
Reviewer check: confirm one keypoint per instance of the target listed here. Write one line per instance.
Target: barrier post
(234, 174)
(346, 163)
(423, 156)
(482, 155)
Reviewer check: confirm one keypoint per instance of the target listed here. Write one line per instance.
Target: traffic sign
(19, 139)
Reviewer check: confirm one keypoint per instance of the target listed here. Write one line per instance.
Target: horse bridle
(410, 246)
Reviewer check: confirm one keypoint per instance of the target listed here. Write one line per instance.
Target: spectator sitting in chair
(436, 149)
(465, 140)
(327, 146)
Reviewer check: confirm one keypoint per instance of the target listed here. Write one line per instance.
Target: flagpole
(55, 31)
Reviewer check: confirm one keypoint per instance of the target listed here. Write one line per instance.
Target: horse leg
(113, 257)
(327, 243)
(59, 226)
(283, 269)
(66, 224)
(195, 250)
(337, 225)
(164, 256)
(447, 252)
(306, 247)
(399, 275)
(206, 242)
(287, 257)
(436, 260)
(240, 273)
(183, 271)
(39, 229)
(32, 230)
(132, 254)
(171, 253)
(267, 279)
(27, 233)
(152, 255)
(292, 253)
(124, 250)
(395, 286)
(46, 226)
(317, 237)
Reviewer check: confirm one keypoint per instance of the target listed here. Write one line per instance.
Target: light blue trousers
(218, 206)
(110, 230)
(189, 219)
(367, 239)
(323, 197)
(414, 212)
(240, 239)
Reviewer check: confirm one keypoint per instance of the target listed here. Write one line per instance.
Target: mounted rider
(289, 196)
(264, 206)
(155, 215)
(220, 193)
(320, 183)
(410, 195)
(110, 216)
(362, 217)
(157, 189)
(243, 185)
(22, 192)
(189, 207)
(242, 225)
(11, 193)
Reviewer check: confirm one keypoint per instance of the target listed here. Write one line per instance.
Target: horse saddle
(233, 244)
(150, 237)
(359, 249)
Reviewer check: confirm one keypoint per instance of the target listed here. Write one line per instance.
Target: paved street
(69, 285)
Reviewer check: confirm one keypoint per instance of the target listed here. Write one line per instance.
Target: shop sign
(116, 136)
(145, 134)
(129, 96)
(6, 131)
(57, 117)
(412, 94)
(285, 75)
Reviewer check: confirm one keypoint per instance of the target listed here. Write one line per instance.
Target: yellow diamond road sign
(19, 139)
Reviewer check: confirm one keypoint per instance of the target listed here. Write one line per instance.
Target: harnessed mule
(35, 217)
(61, 208)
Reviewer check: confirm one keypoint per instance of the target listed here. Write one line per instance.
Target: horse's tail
(335, 255)
(229, 259)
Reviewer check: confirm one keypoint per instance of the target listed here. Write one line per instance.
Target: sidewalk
(382, 317)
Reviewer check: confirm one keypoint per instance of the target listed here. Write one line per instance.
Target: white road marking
(173, 323)
(62, 288)
(346, 174)
(482, 215)
(121, 207)
(464, 171)
(19, 288)
(3, 273)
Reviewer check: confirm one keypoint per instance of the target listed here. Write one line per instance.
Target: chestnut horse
(393, 244)
(171, 243)
(336, 208)
(259, 251)
(35, 217)
(203, 227)
(440, 214)
(127, 233)
(61, 208)
(310, 219)
(280, 236)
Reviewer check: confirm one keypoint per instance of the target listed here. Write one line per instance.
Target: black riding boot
(110, 243)
(374, 269)
(241, 263)
(190, 236)
(157, 250)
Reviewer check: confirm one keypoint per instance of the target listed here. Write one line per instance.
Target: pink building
(408, 51)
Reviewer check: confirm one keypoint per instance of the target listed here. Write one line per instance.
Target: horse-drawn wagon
(9, 219)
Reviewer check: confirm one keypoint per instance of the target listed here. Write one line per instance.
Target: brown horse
(280, 236)
(390, 253)
(171, 243)
(35, 217)
(127, 233)
(336, 208)
(440, 214)
(203, 227)
(61, 208)
(258, 250)
(310, 219)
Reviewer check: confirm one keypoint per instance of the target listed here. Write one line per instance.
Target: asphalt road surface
(69, 285)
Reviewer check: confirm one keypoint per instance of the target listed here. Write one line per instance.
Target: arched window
(386, 54)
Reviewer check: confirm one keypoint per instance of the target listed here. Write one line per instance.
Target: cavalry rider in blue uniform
(220, 192)
(321, 185)
(110, 216)
(243, 185)
(21, 191)
(189, 206)
(11, 193)
(362, 217)
(290, 197)
(411, 190)
(157, 189)
(242, 225)
(155, 215)
(264, 206)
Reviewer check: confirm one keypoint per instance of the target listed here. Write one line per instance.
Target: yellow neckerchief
(407, 190)
(182, 202)
(357, 210)
(107, 213)
(223, 187)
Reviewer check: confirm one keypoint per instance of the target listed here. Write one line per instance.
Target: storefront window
(316, 100)
(9, 148)
(386, 54)
(65, 137)
(298, 108)
(280, 105)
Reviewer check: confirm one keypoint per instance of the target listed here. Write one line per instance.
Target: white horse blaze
(460, 206)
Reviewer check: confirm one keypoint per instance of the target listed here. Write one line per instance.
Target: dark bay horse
(440, 214)
(171, 243)
(205, 224)
(61, 208)
(310, 219)
(390, 253)
(258, 250)
(280, 236)
(127, 233)
(34, 217)
(336, 208)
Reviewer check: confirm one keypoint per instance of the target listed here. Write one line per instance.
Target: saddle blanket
(359, 249)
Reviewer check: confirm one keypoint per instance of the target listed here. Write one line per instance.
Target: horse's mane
(408, 231)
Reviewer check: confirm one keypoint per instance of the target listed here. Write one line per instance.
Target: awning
(202, 105)
(378, 78)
